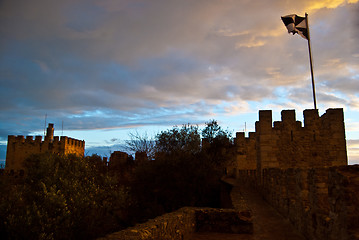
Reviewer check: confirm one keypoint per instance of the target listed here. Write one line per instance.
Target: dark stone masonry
(186, 221)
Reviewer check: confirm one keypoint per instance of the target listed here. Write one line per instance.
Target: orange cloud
(313, 5)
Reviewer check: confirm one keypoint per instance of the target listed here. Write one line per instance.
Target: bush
(182, 174)
(62, 197)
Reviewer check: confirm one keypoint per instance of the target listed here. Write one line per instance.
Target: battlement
(19, 147)
(332, 117)
(69, 141)
(320, 142)
(38, 140)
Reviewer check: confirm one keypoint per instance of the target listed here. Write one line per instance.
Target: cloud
(353, 127)
(353, 151)
(112, 64)
(313, 5)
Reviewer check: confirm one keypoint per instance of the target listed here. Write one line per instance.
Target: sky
(103, 69)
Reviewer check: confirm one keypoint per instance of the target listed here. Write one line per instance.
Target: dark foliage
(67, 197)
(218, 146)
(61, 197)
(183, 173)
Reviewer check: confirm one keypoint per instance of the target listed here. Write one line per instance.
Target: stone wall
(171, 226)
(186, 221)
(287, 144)
(246, 157)
(19, 148)
(322, 203)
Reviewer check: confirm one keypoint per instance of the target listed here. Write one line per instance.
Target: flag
(296, 24)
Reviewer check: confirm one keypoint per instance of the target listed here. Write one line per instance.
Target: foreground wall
(322, 203)
(171, 226)
(182, 223)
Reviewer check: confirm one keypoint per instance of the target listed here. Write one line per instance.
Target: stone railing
(182, 223)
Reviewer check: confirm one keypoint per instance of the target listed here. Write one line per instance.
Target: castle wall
(19, 148)
(246, 157)
(68, 145)
(287, 144)
(322, 203)
(302, 171)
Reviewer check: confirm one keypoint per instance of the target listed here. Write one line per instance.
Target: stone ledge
(185, 221)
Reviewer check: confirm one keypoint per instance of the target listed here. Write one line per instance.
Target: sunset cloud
(115, 63)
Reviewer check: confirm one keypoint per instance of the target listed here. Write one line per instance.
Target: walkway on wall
(268, 223)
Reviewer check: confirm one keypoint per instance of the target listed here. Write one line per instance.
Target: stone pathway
(268, 223)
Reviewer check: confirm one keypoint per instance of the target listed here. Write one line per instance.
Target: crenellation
(29, 139)
(265, 116)
(311, 118)
(20, 148)
(288, 116)
(240, 139)
(38, 139)
(20, 139)
(11, 138)
(56, 139)
(265, 121)
(320, 143)
(240, 135)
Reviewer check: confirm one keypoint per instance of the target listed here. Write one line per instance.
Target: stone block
(223, 221)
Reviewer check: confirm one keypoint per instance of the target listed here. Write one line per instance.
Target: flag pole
(310, 60)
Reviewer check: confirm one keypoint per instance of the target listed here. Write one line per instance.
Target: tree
(213, 132)
(179, 176)
(217, 144)
(141, 143)
(62, 197)
(179, 140)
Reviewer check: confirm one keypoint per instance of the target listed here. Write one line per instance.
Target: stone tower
(287, 144)
(19, 148)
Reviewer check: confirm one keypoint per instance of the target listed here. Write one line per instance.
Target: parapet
(48, 139)
(20, 147)
(332, 119)
(333, 115)
(240, 135)
(68, 141)
(38, 140)
(311, 117)
(20, 138)
(288, 116)
(265, 121)
(11, 138)
(241, 139)
(320, 142)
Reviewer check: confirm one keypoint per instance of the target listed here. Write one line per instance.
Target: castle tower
(287, 144)
(50, 133)
(20, 148)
